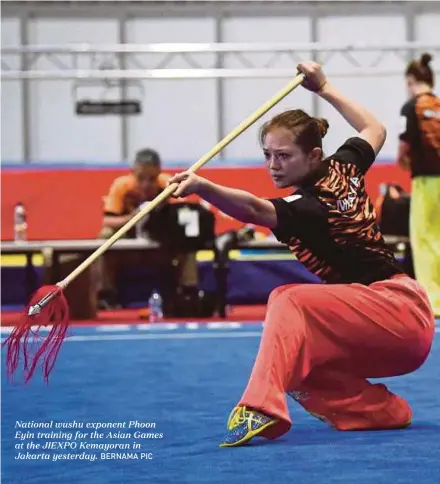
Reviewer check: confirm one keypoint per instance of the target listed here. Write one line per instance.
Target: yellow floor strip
(202, 256)
(263, 257)
(20, 260)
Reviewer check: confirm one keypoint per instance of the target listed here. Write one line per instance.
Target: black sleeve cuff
(285, 222)
(358, 152)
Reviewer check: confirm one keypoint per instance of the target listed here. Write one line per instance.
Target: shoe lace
(238, 416)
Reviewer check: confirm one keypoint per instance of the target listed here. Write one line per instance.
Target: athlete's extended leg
(348, 402)
(386, 327)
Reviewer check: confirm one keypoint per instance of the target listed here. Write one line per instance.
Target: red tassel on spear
(48, 306)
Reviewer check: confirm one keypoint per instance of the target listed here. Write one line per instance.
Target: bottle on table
(20, 223)
(155, 304)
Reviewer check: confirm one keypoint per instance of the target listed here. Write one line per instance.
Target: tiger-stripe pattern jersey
(420, 128)
(330, 223)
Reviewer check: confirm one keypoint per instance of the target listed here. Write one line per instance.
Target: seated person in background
(127, 193)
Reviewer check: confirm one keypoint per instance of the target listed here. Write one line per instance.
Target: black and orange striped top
(420, 127)
(330, 223)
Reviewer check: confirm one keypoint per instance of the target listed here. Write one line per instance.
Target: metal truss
(113, 62)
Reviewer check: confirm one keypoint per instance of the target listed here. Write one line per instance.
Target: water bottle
(20, 223)
(155, 303)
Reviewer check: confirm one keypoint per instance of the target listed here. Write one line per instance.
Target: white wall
(179, 116)
(11, 100)
(57, 133)
(244, 96)
(383, 96)
(427, 28)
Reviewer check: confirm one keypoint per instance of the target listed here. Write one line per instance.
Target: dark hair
(307, 131)
(147, 157)
(421, 70)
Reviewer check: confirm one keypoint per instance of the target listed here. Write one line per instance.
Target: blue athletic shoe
(243, 424)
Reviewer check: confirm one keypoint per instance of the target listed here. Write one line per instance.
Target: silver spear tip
(34, 310)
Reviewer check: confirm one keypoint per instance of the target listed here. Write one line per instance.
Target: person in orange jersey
(128, 192)
(321, 342)
(126, 196)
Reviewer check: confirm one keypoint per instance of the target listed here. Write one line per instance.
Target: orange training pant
(320, 343)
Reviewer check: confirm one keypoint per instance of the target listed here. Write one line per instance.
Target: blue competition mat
(166, 391)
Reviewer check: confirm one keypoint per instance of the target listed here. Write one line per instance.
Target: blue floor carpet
(185, 380)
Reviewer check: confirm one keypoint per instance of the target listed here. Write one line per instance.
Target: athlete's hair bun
(323, 126)
(425, 59)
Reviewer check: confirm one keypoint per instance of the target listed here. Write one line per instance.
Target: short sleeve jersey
(125, 195)
(330, 222)
(420, 128)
